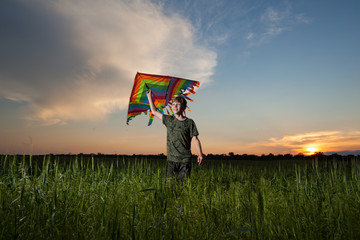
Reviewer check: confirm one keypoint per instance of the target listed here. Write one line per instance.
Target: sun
(311, 150)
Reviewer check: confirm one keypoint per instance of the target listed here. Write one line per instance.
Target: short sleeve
(193, 130)
(166, 119)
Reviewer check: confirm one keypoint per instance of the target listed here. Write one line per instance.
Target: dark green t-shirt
(179, 135)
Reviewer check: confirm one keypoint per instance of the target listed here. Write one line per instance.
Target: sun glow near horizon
(311, 150)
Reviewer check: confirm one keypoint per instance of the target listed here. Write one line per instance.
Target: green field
(119, 197)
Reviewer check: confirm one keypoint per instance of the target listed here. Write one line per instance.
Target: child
(180, 131)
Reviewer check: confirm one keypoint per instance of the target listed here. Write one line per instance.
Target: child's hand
(200, 159)
(148, 93)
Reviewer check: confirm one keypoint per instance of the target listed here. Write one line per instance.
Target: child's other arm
(199, 149)
(152, 106)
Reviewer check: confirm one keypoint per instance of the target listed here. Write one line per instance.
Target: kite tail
(192, 90)
(171, 111)
(151, 119)
(188, 98)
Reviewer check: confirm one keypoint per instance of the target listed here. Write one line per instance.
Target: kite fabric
(163, 88)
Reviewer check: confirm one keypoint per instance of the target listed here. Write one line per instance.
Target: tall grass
(129, 198)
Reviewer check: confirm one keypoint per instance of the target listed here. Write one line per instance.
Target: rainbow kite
(163, 88)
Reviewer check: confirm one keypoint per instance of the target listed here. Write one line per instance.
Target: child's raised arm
(152, 106)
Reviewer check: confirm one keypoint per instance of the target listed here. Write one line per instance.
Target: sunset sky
(276, 76)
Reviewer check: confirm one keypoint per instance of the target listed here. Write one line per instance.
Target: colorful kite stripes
(164, 89)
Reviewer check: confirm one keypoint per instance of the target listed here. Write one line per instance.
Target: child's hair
(182, 101)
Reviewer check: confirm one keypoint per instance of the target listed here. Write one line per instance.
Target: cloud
(249, 36)
(272, 17)
(272, 22)
(324, 141)
(75, 60)
(346, 152)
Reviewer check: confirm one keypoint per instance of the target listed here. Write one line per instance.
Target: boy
(180, 132)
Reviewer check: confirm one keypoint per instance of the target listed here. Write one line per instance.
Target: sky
(276, 76)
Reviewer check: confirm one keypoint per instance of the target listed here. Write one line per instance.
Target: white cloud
(274, 21)
(249, 36)
(301, 18)
(271, 16)
(74, 60)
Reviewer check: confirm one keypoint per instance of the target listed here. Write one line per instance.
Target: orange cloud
(322, 141)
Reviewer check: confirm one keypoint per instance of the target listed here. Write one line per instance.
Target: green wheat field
(128, 197)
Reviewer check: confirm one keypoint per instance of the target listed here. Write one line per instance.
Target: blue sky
(276, 76)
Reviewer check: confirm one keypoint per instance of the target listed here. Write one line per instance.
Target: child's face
(176, 107)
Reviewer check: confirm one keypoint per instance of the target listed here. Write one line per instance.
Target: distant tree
(210, 156)
(299, 156)
(319, 154)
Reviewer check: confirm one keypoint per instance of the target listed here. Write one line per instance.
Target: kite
(163, 88)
